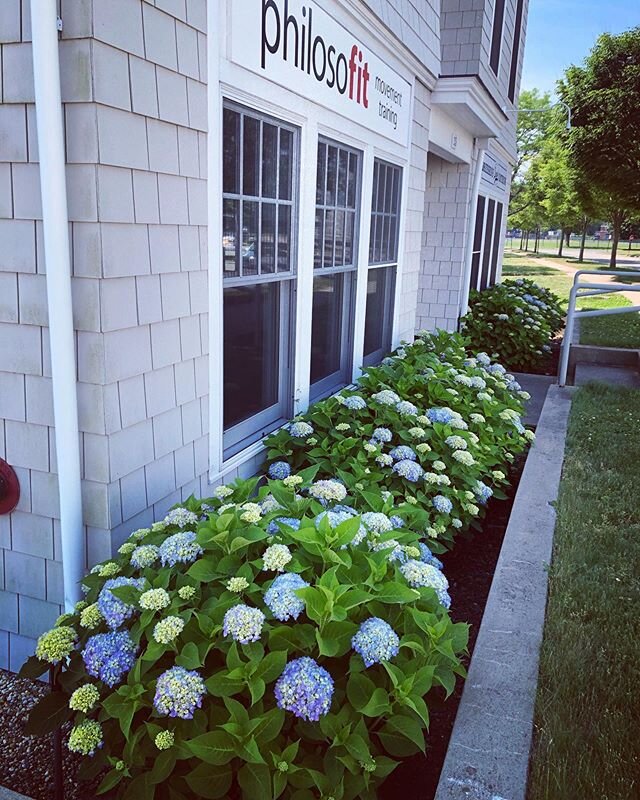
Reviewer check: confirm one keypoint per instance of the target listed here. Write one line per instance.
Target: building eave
(465, 99)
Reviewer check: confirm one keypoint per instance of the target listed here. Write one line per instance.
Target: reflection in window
(383, 260)
(337, 197)
(258, 155)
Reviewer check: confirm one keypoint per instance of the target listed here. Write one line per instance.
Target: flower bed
(515, 322)
(279, 639)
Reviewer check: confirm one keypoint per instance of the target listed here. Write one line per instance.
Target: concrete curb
(488, 755)
(8, 794)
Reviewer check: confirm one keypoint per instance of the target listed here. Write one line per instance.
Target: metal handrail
(593, 289)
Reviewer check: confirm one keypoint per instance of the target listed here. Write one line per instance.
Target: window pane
(348, 237)
(269, 159)
(326, 326)
(332, 169)
(231, 152)
(284, 238)
(374, 324)
(385, 203)
(322, 174)
(249, 237)
(329, 217)
(486, 246)
(353, 178)
(318, 239)
(286, 163)
(496, 35)
(477, 243)
(251, 347)
(379, 314)
(338, 255)
(268, 239)
(251, 156)
(343, 163)
(230, 228)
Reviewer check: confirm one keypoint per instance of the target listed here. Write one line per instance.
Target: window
(259, 209)
(477, 242)
(496, 35)
(495, 250)
(335, 251)
(515, 51)
(383, 260)
(486, 246)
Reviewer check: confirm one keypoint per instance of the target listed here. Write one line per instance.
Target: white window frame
(228, 81)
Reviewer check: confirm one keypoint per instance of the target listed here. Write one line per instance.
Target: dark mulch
(550, 364)
(469, 569)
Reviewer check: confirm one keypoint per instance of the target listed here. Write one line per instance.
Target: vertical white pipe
(480, 147)
(46, 71)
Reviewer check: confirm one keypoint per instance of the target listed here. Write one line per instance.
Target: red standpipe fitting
(9, 488)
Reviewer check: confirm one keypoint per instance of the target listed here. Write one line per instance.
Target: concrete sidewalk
(488, 755)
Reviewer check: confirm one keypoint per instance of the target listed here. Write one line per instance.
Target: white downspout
(480, 147)
(53, 187)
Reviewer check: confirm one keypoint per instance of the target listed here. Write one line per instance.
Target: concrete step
(614, 376)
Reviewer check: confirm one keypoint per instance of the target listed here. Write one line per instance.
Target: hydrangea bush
(431, 432)
(514, 321)
(268, 642)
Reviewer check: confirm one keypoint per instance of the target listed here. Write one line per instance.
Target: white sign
(298, 45)
(494, 172)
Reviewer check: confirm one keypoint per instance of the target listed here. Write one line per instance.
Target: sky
(562, 32)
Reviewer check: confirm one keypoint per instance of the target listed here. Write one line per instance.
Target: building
(353, 185)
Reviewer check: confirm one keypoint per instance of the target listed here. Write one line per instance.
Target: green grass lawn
(586, 744)
(620, 330)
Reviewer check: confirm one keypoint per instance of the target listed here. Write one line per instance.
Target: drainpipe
(480, 145)
(55, 218)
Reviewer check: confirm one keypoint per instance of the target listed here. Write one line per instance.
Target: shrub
(514, 321)
(433, 428)
(262, 645)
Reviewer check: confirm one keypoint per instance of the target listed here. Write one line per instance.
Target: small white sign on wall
(494, 172)
(298, 45)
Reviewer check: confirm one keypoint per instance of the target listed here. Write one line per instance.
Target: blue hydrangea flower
(427, 557)
(304, 688)
(382, 435)
(386, 398)
(281, 598)
(478, 383)
(144, 556)
(396, 521)
(273, 527)
(403, 452)
(442, 415)
(354, 403)
(181, 548)
(483, 359)
(482, 492)
(180, 517)
(113, 610)
(376, 522)
(496, 369)
(301, 430)
(442, 504)
(243, 623)
(405, 407)
(179, 692)
(376, 641)
(418, 574)
(409, 470)
(109, 656)
(279, 470)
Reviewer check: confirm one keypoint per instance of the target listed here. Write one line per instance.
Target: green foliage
(236, 739)
(514, 321)
(433, 372)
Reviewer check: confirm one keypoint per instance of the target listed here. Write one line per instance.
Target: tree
(533, 128)
(604, 141)
(558, 187)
